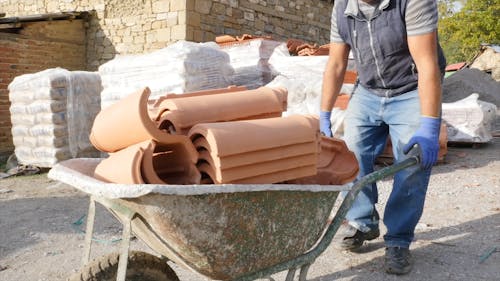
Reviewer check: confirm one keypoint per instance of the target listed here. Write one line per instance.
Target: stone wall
(308, 20)
(139, 26)
(115, 26)
(28, 53)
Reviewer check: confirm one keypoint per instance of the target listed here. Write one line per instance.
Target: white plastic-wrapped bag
(469, 120)
(52, 112)
(178, 68)
(249, 59)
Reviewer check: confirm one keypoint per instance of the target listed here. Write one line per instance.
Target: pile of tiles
(51, 113)
(298, 47)
(228, 135)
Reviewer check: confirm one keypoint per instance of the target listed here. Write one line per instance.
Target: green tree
(461, 33)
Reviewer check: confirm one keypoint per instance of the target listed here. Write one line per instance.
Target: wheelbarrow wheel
(141, 267)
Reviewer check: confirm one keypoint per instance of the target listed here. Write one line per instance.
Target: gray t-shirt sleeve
(421, 17)
(334, 31)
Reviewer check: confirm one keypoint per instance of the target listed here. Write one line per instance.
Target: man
(398, 93)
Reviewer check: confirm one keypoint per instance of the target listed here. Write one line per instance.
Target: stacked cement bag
(52, 113)
(249, 59)
(469, 120)
(179, 68)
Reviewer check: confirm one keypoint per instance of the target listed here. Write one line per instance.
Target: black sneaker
(353, 238)
(397, 260)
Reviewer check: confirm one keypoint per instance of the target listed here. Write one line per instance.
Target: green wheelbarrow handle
(309, 257)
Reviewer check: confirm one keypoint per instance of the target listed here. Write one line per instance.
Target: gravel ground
(40, 238)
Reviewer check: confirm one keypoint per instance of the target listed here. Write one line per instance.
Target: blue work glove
(325, 125)
(427, 138)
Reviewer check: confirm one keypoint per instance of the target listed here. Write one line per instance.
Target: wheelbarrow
(223, 232)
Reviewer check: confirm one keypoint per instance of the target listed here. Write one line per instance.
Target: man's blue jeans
(368, 122)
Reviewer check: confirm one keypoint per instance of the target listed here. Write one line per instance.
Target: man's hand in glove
(427, 138)
(325, 124)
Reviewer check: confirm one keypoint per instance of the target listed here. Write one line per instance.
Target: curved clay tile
(249, 37)
(236, 137)
(342, 101)
(270, 171)
(208, 173)
(154, 110)
(127, 122)
(253, 157)
(350, 77)
(336, 165)
(123, 166)
(224, 39)
(293, 44)
(172, 165)
(147, 168)
(279, 176)
(262, 173)
(180, 114)
(258, 151)
(151, 163)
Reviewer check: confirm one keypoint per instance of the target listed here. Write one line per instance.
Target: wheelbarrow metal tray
(219, 231)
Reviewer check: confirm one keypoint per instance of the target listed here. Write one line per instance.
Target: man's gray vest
(380, 49)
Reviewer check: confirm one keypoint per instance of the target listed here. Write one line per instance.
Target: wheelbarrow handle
(356, 188)
(309, 257)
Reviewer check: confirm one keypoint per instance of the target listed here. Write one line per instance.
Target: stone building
(139, 26)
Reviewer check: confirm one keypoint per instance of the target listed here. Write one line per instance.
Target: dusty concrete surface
(40, 238)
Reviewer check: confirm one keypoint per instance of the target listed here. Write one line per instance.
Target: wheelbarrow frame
(301, 262)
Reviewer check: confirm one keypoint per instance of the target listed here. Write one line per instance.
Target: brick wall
(115, 26)
(28, 53)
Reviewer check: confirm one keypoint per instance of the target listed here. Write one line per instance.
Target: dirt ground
(41, 237)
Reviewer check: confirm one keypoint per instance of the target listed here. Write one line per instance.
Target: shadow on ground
(54, 215)
(437, 253)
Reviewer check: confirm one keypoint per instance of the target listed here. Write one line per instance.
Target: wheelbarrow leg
(303, 272)
(89, 231)
(123, 261)
(290, 275)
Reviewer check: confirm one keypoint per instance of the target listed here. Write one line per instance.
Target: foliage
(461, 33)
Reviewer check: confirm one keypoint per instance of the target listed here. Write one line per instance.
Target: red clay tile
(127, 122)
(225, 39)
(236, 137)
(268, 172)
(313, 50)
(235, 152)
(149, 162)
(178, 115)
(123, 166)
(350, 77)
(171, 163)
(293, 45)
(153, 108)
(252, 157)
(249, 37)
(337, 165)
(342, 101)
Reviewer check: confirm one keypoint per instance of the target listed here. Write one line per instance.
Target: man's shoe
(397, 260)
(354, 238)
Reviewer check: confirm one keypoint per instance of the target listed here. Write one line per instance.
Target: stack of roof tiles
(218, 136)
(257, 151)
